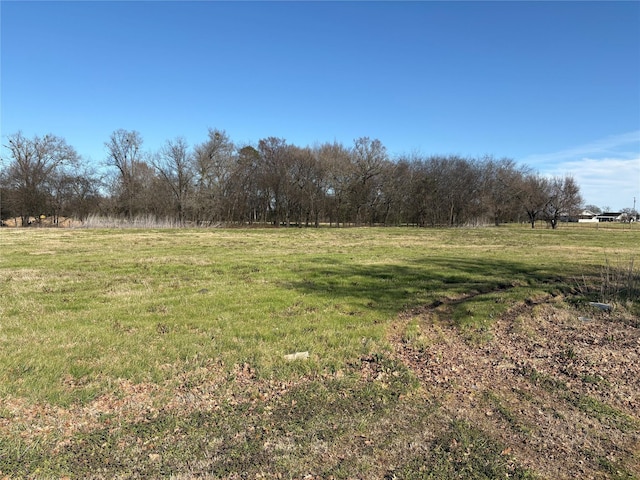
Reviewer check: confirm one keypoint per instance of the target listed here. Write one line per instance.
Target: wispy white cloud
(607, 170)
(612, 182)
(625, 145)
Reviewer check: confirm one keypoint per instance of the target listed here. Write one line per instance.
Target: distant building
(589, 217)
(612, 217)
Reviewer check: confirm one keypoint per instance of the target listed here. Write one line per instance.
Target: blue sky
(554, 85)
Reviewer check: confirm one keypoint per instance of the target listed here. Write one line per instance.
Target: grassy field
(161, 353)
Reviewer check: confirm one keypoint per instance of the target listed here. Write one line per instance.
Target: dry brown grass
(561, 391)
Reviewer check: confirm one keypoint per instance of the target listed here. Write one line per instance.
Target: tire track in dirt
(562, 394)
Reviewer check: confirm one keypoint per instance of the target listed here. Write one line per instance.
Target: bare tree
(500, 182)
(533, 195)
(441, 190)
(463, 192)
(335, 159)
(420, 190)
(368, 157)
(315, 184)
(74, 194)
(32, 171)
(214, 161)
(124, 153)
(280, 183)
(275, 176)
(307, 185)
(248, 202)
(174, 164)
(82, 194)
(563, 199)
(395, 191)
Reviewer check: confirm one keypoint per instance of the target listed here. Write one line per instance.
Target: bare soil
(558, 384)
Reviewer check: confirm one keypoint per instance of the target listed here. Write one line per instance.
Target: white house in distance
(589, 217)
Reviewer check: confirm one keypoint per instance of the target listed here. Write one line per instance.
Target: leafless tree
(420, 190)
(274, 176)
(464, 195)
(369, 158)
(125, 154)
(563, 199)
(214, 162)
(248, 201)
(533, 195)
(74, 194)
(335, 160)
(34, 165)
(500, 181)
(395, 190)
(280, 183)
(307, 185)
(83, 195)
(175, 167)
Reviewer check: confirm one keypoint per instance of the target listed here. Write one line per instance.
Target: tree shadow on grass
(392, 288)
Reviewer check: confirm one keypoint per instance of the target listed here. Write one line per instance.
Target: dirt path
(560, 390)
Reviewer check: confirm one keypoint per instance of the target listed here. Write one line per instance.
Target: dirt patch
(204, 389)
(559, 387)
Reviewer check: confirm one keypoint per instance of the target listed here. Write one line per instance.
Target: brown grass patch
(562, 392)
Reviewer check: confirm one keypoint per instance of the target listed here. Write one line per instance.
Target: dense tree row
(273, 182)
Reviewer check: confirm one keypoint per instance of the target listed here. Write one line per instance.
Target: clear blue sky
(554, 85)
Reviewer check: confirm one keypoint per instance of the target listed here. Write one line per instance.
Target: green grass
(98, 305)
(84, 310)
(121, 305)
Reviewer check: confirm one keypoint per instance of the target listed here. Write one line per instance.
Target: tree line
(217, 182)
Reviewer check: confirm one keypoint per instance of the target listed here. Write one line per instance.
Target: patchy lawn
(557, 385)
(431, 354)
